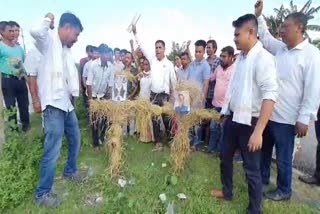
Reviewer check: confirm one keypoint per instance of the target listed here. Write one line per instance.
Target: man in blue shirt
(14, 87)
(199, 72)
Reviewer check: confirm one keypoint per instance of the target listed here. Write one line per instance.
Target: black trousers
(317, 127)
(236, 136)
(99, 131)
(159, 99)
(15, 90)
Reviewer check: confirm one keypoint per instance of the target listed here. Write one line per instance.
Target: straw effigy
(180, 146)
(117, 114)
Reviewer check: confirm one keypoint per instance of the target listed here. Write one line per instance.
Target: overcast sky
(106, 21)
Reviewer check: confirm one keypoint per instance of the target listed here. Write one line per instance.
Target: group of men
(268, 95)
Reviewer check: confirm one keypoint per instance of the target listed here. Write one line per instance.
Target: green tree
(274, 21)
(316, 43)
(176, 50)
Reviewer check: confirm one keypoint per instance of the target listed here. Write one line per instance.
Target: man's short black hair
(13, 24)
(229, 50)
(89, 48)
(3, 25)
(161, 42)
(103, 49)
(128, 52)
(94, 49)
(214, 44)
(185, 53)
(116, 49)
(123, 51)
(69, 18)
(246, 19)
(201, 43)
(299, 18)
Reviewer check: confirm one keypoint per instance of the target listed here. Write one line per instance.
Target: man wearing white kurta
(58, 82)
(298, 64)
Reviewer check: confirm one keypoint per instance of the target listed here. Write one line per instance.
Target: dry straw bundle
(180, 148)
(127, 74)
(117, 114)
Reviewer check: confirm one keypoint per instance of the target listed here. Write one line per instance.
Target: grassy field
(150, 178)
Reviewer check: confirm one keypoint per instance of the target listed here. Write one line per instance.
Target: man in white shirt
(163, 81)
(248, 106)
(117, 63)
(57, 83)
(299, 96)
(94, 55)
(100, 74)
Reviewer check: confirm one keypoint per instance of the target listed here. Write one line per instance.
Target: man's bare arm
(33, 87)
(89, 91)
(255, 142)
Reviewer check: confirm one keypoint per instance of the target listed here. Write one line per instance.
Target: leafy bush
(19, 166)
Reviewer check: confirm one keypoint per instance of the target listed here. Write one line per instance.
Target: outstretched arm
(41, 32)
(141, 45)
(269, 42)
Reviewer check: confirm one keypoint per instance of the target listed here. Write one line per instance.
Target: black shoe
(277, 196)
(78, 177)
(26, 128)
(47, 200)
(309, 180)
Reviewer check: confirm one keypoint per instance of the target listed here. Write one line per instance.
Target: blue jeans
(282, 137)
(214, 132)
(197, 135)
(56, 124)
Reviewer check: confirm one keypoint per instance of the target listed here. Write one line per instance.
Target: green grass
(201, 174)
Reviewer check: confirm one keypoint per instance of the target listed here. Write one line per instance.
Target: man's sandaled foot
(216, 193)
(193, 148)
(158, 147)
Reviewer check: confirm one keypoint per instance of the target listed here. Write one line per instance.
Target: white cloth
(254, 80)
(163, 75)
(118, 66)
(298, 71)
(86, 69)
(58, 78)
(100, 78)
(145, 86)
(33, 62)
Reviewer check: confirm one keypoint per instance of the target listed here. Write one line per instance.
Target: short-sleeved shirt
(198, 72)
(99, 77)
(130, 87)
(213, 66)
(11, 60)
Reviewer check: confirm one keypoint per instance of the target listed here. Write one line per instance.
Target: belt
(253, 119)
(7, 76)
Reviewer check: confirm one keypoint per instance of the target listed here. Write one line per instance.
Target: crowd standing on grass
(268, 94)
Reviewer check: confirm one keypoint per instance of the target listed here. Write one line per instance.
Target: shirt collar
(300, 46)
(198, 63)
(99, 63)
(257, 47)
